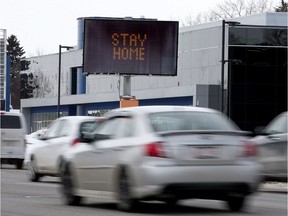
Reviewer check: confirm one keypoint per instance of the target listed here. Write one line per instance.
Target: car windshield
(173, 121)
(279, 125)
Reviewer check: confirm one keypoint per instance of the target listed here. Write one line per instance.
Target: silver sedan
(272, 145)
(164, 153)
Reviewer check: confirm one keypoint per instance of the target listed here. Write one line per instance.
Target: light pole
(230, 61)
(59, 77)
(223, 61)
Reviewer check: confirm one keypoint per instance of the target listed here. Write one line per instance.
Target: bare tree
(283, 7)
(230, 9)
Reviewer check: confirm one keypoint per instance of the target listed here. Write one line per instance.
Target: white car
(13, 130)
(32, 141)
(272, 145)
(165, 153)
(44, 158)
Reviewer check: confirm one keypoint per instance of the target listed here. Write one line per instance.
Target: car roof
(164, 108)
(80, 117)
(77, 118)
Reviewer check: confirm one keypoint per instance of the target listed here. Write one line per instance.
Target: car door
(112, 149)
(55, 139)
(273, 147)
(94, 162)
(88, 158)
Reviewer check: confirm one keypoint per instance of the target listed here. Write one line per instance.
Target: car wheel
(32, 173)
(235, 203)
(19, 164)
(126, 202)
(67, 188)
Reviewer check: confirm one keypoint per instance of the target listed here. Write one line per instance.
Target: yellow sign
(128, 103)
(129, 46)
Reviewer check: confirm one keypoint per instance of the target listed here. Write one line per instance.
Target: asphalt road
(19, 197)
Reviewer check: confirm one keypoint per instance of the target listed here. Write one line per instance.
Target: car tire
(68, 187)
(126, 202)
(236, 203)
(32, 173)
(19, 164)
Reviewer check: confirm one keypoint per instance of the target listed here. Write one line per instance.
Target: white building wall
(198, 63)
(269, 19)
(45, 72)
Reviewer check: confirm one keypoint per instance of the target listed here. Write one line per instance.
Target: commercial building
(246, 66)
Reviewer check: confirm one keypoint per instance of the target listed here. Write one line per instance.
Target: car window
(116, 127)
(279, 125)
(88, 126)
(55, 129)
(108, 128)
(10, 122)
(66, 127)
(171, 121)
(126, 129)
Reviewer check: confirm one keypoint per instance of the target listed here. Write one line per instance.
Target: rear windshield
(10, 122)
(173, 121)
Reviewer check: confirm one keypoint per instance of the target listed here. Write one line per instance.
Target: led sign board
(134, 47)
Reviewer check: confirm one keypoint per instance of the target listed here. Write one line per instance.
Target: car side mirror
(99, 137)
(86, 137)
(259, 130)
(41, 137)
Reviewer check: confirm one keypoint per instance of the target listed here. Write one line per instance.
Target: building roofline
(244, 20)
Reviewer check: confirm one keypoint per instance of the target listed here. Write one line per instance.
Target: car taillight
(155, 150)
(75, 142)
(250, 149)
(100, 120)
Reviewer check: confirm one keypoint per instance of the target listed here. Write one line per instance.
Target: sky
(42, 25)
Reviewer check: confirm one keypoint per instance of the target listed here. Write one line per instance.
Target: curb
(273, 187)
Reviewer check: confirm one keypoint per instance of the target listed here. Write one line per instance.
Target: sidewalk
(276, 187)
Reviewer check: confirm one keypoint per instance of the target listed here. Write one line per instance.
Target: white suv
(13, 132)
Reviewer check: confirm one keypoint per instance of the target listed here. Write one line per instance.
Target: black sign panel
(134, 47)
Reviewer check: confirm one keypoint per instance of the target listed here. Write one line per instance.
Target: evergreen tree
(283, 7)
(16, 52)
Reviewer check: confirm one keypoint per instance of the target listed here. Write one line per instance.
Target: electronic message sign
(134, 47)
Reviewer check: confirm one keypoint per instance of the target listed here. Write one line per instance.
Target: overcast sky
(42, 25)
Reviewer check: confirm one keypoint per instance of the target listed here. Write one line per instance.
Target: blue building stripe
(70, 109)
(7, 96)
(180, 101)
